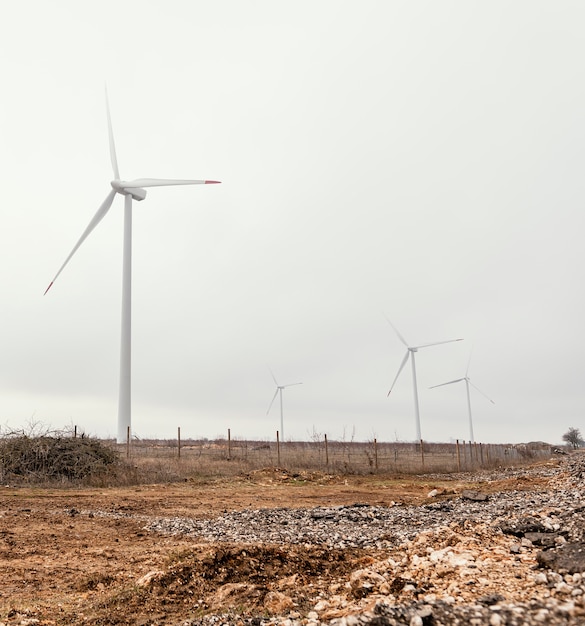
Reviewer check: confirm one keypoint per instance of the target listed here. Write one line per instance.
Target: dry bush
(55, 457)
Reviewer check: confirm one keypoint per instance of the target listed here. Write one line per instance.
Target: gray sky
(422, 160)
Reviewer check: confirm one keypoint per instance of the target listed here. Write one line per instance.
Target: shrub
(54, 457)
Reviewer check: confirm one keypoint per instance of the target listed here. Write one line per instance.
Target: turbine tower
(133, 189)
(410, 352)
(278, 391)
(467, 383)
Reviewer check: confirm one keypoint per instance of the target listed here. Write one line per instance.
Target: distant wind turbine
(410, 352)
(278, 391)
(133, 189)
(467, 383)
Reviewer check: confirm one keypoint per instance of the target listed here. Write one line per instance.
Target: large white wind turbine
(133, 189)
(410, 352)
(467, 383)
(278, 391)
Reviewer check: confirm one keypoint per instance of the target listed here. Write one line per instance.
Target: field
(72, 555)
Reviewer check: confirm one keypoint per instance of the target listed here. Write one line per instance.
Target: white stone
(540, 578)
(562, 587)
(567, 607)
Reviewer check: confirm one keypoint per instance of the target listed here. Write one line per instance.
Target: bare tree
(573, 438)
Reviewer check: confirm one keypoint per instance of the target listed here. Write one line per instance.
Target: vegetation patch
(54, 458)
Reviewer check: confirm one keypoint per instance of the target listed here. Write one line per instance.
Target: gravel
(513, 558)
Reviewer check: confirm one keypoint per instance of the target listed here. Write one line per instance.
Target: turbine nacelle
(119, 186)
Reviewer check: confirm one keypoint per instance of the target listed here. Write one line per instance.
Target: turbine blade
(396, 331)
(273, 376)
(291, 385)
(97, 218)
(469, 362)
(480, 391)
(448, 383)
(111, 138)
(436, 343)
(164, 182)
(272, 401)
(399, 370)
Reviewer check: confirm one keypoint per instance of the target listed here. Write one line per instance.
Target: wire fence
(339, 456)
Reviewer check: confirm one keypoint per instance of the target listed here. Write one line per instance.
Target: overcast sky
(423, 161)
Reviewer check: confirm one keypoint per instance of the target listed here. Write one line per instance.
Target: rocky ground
(503, 547)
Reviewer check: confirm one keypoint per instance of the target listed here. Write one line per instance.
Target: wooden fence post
(229, 445)
(326, 452)
(376, 453)
(458, 456)
(422, 454)
(128, 442)
(179, 442)
(277, 449)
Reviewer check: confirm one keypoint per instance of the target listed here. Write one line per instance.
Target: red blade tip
(47, 289)
(212, 182)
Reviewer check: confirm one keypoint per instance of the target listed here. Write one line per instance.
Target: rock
(475, 496)
(232, 594)
(149, 578)
(364, 582)
(490, 599)
(277, 603)
(542, 539)
(567, 558)
(520, 527)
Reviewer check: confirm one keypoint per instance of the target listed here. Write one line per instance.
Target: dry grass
(164, 461)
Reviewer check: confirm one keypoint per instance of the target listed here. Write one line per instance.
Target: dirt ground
(62, 564)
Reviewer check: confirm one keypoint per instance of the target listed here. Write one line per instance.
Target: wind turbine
(278, 391)
(467, 383)
(133, 189)
(410, 352)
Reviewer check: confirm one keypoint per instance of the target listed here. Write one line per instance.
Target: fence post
(376, 453)
(277, 449)
(229, 445)
(179, 442)
(326, 452)
(422, 454)
(75, 432)
(458, 456)
(128, 442)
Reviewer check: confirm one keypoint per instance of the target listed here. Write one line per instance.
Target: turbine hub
(136, 192)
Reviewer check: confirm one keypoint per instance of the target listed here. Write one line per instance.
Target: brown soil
(60, 564)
